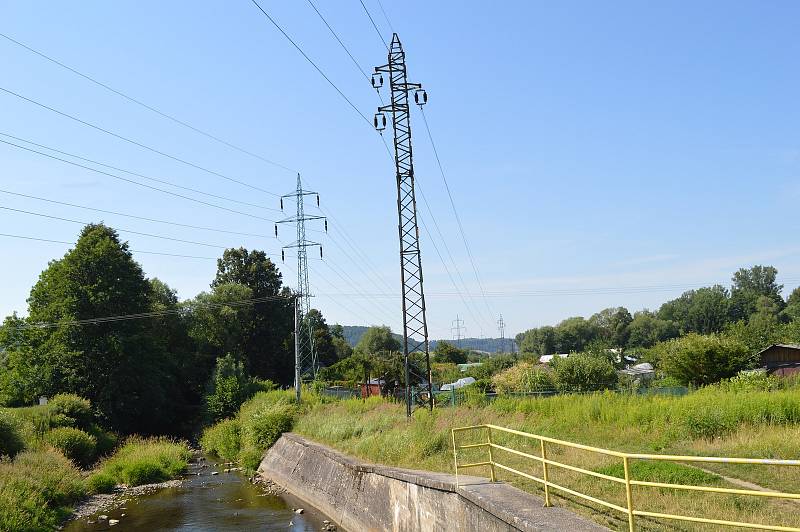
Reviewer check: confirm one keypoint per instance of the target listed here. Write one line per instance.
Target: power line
(136, 143)
(132, 250)
(144, 105)
(332, 84)
(335, 36)
(144, 218)
(447, 249)
(389, 22)
(154, 314)
(131, 231)
(385, 44)
(129, 172)
(136, 182)
(610, 290)
(455, 211)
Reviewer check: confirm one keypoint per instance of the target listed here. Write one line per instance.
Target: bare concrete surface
(363, 496)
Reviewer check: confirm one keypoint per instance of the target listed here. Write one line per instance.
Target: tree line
(161, 373)
(754, 298)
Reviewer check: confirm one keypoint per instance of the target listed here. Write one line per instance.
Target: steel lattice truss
(415, 327)
(306, 363)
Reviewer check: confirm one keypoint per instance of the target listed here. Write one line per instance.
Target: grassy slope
(711, 421)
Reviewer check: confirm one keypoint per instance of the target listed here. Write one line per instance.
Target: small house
(372, 387)
(781, 359)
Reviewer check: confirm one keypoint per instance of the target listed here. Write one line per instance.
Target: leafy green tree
(117, 364)
(219, 325)
(574, 334)
(445, 352)
(708, 311)
(229, 387)
(540, 341)
(323, 340)
(340, 344)
(377, 339)
(268, 343)
(751, 283)
(613, 325)
(792, 310)
(583, 373)
(646, 329)
(705, 310)
(703, 359)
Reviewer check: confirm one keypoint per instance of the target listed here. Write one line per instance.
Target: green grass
(725, 421)
(37, 489)
(141, 461)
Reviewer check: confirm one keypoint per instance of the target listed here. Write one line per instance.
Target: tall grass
(258, 424)
(36, 490)
(141, 461)
(727, 420)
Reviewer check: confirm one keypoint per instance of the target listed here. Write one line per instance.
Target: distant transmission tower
(305, 354)
(415, 325)
(458, 330)
(502, 326)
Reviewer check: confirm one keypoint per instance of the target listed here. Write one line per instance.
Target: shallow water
(204, 502)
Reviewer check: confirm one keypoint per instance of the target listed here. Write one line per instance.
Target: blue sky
(590, 147)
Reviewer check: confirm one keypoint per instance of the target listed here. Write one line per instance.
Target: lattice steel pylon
(306, 364)
(416, 355)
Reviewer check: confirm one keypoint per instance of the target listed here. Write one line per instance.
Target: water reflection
(204, 502)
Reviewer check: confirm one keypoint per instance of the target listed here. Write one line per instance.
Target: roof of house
(788, 346)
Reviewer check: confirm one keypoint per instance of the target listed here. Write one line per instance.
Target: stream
(227, 501)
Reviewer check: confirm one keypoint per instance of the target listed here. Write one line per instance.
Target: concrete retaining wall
(361, 496)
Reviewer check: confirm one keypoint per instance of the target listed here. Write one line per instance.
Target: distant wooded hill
(353, 333)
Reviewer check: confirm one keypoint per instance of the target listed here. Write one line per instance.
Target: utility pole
(297, 364)
(502, 326)
(457, 330)
(305, 355)
(415, 325)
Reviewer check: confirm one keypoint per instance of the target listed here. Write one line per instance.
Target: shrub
(35, 489)
(76, 444)
(143, 461)
(77, 409)
(583, 373)
(697, 360)
(10, 439)
(229, 387)
(100, 482)
(523, 377)
(750, 381)
(263, 428)
(106, 441)
(222, 439)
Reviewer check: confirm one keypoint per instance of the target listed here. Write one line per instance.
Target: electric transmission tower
(502, 326)
(416, 355)
(305, 354)
(458, 330)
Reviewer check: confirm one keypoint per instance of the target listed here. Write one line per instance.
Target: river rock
(113, 522)
(213, 473)
(102, 517)
(298, 511)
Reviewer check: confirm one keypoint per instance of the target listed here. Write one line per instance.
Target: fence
(632, 508)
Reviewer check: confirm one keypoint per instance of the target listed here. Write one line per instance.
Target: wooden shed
(781, 359)
(373, 387)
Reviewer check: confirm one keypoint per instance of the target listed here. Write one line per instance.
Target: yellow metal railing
(630, 508)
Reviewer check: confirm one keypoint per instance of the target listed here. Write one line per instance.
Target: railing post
(545, 476)
(491, 459)
(628, 493)
(455, 454)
